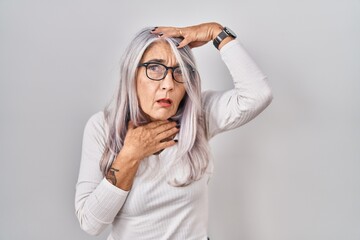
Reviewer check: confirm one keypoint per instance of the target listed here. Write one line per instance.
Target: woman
(152, 141)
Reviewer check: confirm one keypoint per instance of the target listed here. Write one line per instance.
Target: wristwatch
(226, 32)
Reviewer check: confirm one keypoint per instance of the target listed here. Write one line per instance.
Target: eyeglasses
(157, 71)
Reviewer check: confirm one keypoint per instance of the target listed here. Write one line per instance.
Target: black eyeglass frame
(146, 64)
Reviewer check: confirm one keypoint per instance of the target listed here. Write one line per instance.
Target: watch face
(230, 32)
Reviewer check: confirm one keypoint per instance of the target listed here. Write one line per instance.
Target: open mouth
(166, 102)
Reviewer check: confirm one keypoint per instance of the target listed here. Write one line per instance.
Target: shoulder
(98, 118)
(96, 125)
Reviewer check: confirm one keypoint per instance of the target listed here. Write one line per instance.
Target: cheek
(140, 92)
(145, 92)
(182, 94)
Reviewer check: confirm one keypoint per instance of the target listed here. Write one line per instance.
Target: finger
(158, 30)
(156, 124)
(184, 42)
(168, 138)
(175, 32)
(154, 29)
(197, 44)
(164, 145)
(165, 127)
(169, 31)
(167, 135)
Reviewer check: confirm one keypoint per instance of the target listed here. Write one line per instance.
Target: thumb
(183, 43)
(197, 44)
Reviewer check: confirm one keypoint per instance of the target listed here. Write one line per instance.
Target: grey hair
(193, 153)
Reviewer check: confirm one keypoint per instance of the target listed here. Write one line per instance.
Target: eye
(178, 71)
(155, 68)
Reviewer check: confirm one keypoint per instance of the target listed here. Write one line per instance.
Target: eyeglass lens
(158, 72)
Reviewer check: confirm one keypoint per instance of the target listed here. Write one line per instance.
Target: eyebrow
(156, 60)
(159, 60)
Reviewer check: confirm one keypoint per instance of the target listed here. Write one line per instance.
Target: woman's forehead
(161, 51)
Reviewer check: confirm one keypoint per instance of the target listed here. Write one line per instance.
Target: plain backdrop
(293, 173)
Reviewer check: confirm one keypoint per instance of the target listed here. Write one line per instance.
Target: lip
(165, 102)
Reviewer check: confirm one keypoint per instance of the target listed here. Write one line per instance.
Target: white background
(291, 174)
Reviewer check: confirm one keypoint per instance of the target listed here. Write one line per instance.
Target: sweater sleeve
(250, 96)
(97, 201)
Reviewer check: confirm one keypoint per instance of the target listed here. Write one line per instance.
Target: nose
(168, 82)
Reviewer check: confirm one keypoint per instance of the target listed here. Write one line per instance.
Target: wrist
(225, 41)
(122, 171)
(216, 29)
(226, 35)
(126, 160)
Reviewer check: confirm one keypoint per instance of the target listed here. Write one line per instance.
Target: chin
(159, 115)
(158, 118)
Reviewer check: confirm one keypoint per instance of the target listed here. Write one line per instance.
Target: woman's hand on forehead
(194, 36)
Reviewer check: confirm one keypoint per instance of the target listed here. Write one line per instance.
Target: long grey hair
(193, 148)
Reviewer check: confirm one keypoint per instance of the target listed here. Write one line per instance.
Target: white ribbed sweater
(153, 209)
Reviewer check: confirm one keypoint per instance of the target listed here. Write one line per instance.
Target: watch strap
(221, 36)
